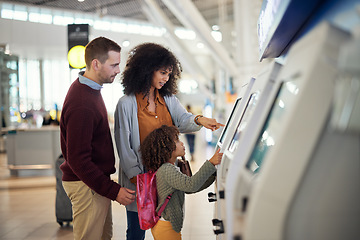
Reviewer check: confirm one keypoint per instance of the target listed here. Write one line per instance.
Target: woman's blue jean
(134, 232)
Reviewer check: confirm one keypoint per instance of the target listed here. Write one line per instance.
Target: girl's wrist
(210, 160)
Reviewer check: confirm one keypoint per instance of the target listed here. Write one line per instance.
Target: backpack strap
(164, 205)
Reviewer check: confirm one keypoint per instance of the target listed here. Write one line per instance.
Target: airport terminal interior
(283, 76)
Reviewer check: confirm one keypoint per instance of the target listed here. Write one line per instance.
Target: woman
(149, 82)
(159, 152)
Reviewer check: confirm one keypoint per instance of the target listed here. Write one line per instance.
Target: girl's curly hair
(142, 62)
(158, 147)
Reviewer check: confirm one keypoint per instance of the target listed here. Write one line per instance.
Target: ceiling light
(215, 28)
(200, 45)
(125, 43)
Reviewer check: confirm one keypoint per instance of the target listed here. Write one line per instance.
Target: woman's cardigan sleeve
(182, 119)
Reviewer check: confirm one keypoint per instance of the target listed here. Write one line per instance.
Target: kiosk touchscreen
(261, 86)
(230, 120)
(235, 112)
(275, 193)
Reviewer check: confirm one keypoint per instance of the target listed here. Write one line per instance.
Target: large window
(56, 78)
(56, 82)
(111, 94)
(29, 85)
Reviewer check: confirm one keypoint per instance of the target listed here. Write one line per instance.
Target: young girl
(159, 152)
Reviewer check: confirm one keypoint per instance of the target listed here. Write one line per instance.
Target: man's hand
(125, 196)
(210, 123)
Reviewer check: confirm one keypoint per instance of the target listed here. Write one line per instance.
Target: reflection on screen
(234, 110)
(243, 121)
(273, 124)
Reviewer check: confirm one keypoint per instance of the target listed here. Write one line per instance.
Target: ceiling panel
(132, 9)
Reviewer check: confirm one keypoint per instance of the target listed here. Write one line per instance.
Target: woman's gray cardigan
(170, 180)
(127, 137)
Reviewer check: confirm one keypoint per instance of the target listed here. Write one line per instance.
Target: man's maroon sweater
(86, 141)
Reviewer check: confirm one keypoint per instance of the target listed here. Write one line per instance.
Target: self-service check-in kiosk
(236, 111)
(299, 177)
(236, 124)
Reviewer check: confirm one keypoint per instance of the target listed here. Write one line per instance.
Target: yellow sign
(76, 57)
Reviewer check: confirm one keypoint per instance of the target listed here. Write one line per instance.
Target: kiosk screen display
(243, 121)
(273, 124)
(234, 110)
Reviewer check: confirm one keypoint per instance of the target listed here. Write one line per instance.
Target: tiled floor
(27, 206)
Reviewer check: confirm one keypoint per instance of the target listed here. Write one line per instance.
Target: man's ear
(95, 64)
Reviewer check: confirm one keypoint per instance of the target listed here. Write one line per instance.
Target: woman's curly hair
(142, 62)
(158, 147)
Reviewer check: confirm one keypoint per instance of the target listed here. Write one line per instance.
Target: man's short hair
(98, 49)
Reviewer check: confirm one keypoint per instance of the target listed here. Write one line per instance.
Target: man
(87, 146)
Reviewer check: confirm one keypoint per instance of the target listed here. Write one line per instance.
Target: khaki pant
(92, 218)
(164, 231)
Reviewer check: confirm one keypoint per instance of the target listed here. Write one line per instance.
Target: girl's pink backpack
(147, 200)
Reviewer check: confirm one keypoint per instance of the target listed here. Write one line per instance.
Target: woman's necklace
(152, 104)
